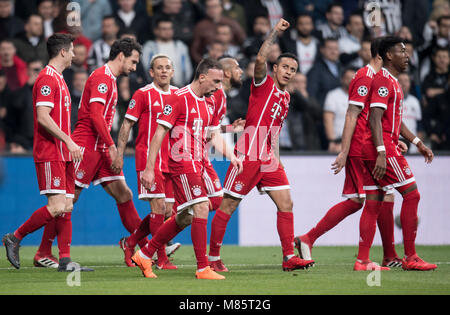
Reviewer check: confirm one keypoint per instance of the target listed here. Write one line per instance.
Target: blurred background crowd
(330, 38)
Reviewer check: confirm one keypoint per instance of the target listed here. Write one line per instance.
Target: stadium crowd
(331, 40)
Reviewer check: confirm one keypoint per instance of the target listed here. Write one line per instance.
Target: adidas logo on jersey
(193, 111)
(156, 104)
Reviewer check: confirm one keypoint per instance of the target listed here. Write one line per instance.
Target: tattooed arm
(122, 140)
(261, 59)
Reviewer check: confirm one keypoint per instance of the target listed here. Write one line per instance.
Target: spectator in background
(80, 77)
(335, 109)
(304, 115)
(302, 42)
(205, 31)
(99, 52)
(31, 44)
(46, 9)
(325, 74)
(215, 50)
(128, 17)
(75, 28)
(79, 64)
(20, 114)
(92, 13)
(333, 28)
(233, 10)
(316, 9)
(140, 77)
(14, 67)
(436, 81)
(412, 112)
(183, 14)
(261, 27)
(438, 120)
(273, 9)
(177, 51)
(10, 25)
(5, 98)
(350, 43)
(225, 36)
(364, 55)
(392, 14)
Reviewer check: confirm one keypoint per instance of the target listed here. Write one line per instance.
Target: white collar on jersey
(371, 68)
(53, 70)
(192, 92)
(390, 74)
(159, 90)
(108, 70)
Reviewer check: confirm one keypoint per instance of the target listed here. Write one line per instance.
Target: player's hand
(148, 178)
(339, 163)
(380, 166)
(117, 164)
(402, 146)
(282, 25)
(237, 163)
(426, 152)
(238, 125)
(112, 152)
(75, 151)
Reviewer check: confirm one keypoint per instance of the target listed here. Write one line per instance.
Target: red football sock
(385, 223)
(156, 221)
(218, 228)
(367, 227)
(140, 233)
(130, 219)
(38, 219)
(199, 235)
(64, 234)
(333, 217)
(285, 227)
(408, 218)
(45, 248)
(165, 233)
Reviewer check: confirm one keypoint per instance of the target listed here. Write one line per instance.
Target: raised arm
(261, 59)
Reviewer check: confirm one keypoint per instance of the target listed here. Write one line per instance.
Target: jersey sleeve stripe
(49, 104)
(260, 83)
(378, 105)
(164, 123)
(356, 103)
(97, 99)
(130, 117)
(214, 127)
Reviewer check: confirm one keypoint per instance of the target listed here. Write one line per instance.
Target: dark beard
(302, 35)
(235, 83)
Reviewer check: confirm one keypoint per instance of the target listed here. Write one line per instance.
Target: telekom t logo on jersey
(276, 110)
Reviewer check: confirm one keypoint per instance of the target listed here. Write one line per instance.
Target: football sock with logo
(333, 217)
(38, 219)
(199, 235)
(218, 228)
(45, 248)
(166, 232)
(385, 224)
(367, 228)
(64, 234)
(409, 220)
(285, 227)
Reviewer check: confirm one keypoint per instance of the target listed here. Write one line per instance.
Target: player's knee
(184, 218)
(158, 206)
(56, 208)
(123, 194)
(413, 195)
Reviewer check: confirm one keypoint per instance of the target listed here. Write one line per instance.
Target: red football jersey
(386, 93)
(217, 101)
(51, 90)
(358, 93)
(145, 106)
(189, 117)
(268, 107)
(100, 87)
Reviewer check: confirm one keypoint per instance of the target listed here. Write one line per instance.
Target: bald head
(232, 73)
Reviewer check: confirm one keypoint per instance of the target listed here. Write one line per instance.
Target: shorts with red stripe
(189, 189)
(162, 187)
(96, 168)
(266, 176)
(397, 174)
(212, 181)
(56, 177)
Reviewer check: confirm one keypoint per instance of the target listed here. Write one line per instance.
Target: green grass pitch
(253, 271)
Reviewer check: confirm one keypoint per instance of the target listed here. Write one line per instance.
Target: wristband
(416, 141)
(381, 148)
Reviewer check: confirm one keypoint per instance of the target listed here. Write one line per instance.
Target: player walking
(145, 107)
(268, 107)
(54, 153)
(355, 130)
(383, 160)
(189, 119)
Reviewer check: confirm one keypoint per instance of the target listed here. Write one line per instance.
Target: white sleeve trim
(213, 127)
(356, 103)
(260, 83)
(97, 99)
(49, 104)
(130, 117)
(164, 123)
(378, 105)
